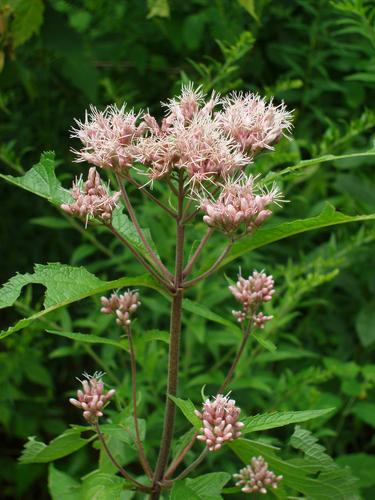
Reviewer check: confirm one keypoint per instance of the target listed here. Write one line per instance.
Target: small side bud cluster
(239, 204)
(92, 398)
(256, 478)
(220, 422)
(91, 199)
(251, 293)
(123, 306)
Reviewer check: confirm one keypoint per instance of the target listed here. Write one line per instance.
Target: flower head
(240, 203)
(256, 478)
(252, 122)
(220, 422)
(91, 199)
(251, 293)
(123, 306)
(107, 137)
(92, 398)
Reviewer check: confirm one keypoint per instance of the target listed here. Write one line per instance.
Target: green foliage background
(56, 58)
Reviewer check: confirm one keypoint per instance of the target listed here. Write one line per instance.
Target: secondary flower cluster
(205, 138)
(92, 398)
(220, 422)
(251, 293)
(107, 137)
(256, 478)
(91, 199)
(123, 306)
(239, 204)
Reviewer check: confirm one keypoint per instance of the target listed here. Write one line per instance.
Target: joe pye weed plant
(203, 152)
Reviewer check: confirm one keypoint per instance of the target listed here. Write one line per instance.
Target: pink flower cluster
(251, 293)
(256, 478)
(220, 422)
(123, 306)
(91, 199)
(92, 398)
(107, 137)
(252, 122)
(193, 135)
(238, 204)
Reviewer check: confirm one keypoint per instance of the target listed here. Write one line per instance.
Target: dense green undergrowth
(319, 57)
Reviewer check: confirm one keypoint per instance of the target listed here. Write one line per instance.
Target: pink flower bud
(255, 478)
(92, 399)
(219, 418)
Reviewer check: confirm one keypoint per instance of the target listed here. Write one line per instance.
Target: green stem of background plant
(174, 349)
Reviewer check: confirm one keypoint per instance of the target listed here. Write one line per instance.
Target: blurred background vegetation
(57, 57)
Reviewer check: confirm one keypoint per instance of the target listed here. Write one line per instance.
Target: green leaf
(365, 324)
(187, 408)
(61, 486)
(36, 452)
(365, 411)
(157, 8)
(332, 482)
(204, 312)
(181, 490)
(65, 284)
(41, 180)
(102, 486)
(51, 222)
(88, 338)
(317, 161)
(266, 343)
(264, 236)
(124, 431)
(209, 486)
(28, 18)
(151, 335)
(249, 5)
(362, 466)
(265, 421)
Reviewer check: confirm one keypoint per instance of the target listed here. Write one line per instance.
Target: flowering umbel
(240, 203)
(220, 422)
(92, 398)
(251, 293)
(256, 478)
(123, 306)
(107, 137)
(208, 137)
(91, 199)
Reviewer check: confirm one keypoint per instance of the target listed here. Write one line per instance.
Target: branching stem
(174, 349)
(211, 270)
(122, 471)
(197, 252)
(158, 263)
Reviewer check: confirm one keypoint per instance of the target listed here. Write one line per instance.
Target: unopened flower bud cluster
(220, 419)
(238, 205)
(91, 199)
(123, 306)
(92, 398)
(256, 478)
(251, 293)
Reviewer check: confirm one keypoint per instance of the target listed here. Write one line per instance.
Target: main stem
(174, 349)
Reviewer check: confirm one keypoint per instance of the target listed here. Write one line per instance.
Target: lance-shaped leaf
(65, 284)
(37, 452)
(187, 408)
(266, 421)
(329, 216)
(331, 482)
